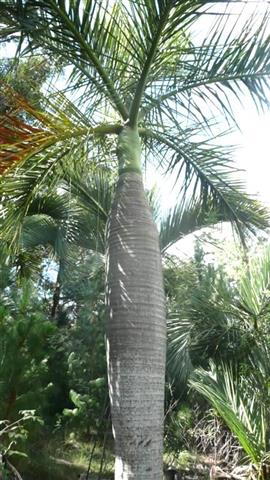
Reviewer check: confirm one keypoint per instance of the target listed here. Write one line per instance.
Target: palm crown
(134, 63)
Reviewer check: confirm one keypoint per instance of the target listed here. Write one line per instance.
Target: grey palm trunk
(136, 331)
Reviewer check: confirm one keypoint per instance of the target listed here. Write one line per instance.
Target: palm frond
(179, 363)
(141, 53)
(205, 323)
(39, 149)
(62, 122)
(27, 264)
(228, 63)
(205, 329)
(254, 286)
(154, 203)
(237, 405)
(92, 36)
(58, 206)
(160, 31)
(52, 219)
(184, 219)
(19, 190)
(93, 192)
(38, 230)
(57, 221)
(207, 174)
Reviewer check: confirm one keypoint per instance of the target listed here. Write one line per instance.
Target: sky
(254, 152)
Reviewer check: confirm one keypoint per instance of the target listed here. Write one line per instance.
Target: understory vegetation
(54, 399)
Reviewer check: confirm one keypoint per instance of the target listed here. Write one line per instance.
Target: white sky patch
(8, 50)
(254, 154)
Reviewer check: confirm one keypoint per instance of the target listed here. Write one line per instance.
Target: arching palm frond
(40, 150)
(193, 74)
(90, 35)
(58, 221)
(206, 173)
(39, 230)
(52, 220)
(184, 219)
(179, 363)
(205, 329)
(115, 46)
(93, 191)
(144, 49)
(237, 402)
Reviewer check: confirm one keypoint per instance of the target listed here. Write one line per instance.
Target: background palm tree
(142, 86)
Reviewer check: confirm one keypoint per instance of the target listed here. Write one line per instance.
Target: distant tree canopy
(26, 77)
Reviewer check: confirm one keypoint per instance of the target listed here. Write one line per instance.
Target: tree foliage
(138, 63)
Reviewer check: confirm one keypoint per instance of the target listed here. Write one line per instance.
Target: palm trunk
(136, 333)
(56, 295)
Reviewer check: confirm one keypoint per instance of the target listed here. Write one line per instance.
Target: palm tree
(202, 323)
(218, 319)
(143, 91)
(68, 223)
